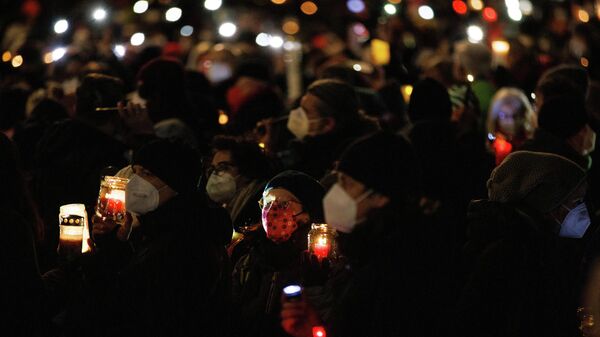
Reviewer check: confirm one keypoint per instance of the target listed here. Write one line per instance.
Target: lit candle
(71, 237)
(321, 247)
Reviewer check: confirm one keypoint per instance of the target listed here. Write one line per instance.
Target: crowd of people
(468, 208)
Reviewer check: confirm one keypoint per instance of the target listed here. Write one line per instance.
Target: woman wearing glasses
(291, 201)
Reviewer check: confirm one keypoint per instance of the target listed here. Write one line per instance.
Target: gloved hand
(315, 271)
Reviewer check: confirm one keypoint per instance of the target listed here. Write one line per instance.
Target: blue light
(355, 6)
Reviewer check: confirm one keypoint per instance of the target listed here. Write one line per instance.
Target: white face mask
(575, 223)
(141, 196)
(299, 124)
(218, 72)
(221, 187)
(341, 209)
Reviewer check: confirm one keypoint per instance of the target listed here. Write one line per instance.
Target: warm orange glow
(500, 47)
(17, 61)
(583, 16)
(476, 4)
(278, 2)
(309, 8)
(395, 2)
(585, 62)
(223, 118)
(291, 27)
(48, 58)
(6, 56)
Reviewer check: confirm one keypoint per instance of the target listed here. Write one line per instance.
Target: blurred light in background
(6, 56)
(276, 42)
(213, 5)
(17, 61)
(476, 4)
(173, 14)
(119, 50)
(186, 30)
(291, 27)
(61, 26)
(474, 34)
(137, 39)
(426, 12)
(227, 29)
(355, 6)
(309, 8)
(459, 7)
(263, 39)
(58, 53)
(490, 15)
(140, 6)
(99, 14)
(500, 47)
(390, 9)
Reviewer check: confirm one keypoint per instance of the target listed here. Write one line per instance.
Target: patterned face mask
(279, 221)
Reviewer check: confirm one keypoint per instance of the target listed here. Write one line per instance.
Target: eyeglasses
(220, 167)
(283, 204)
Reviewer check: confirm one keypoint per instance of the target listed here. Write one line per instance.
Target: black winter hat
(309, 191)
(340, 97)
(176, 164)
(429, 101)
(563, 116)
(385, 163)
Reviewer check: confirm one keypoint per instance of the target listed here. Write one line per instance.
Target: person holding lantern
(291, 201)
(377, 288)
(176, 282)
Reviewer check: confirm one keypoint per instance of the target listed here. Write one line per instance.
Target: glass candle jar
(74, 232)
(111, 199)
(321, 241)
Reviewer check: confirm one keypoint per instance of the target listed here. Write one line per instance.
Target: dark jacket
(175, 284)
(544, 141)
(22, 291)
(258, 280)
(316, 155)
(521, 279)
(382, 287)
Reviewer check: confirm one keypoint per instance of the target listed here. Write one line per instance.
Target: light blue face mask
(576, 222)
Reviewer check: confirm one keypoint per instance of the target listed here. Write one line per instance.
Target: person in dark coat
(327, 120)
(291, 202)
(523, 257)
(379, 287)
(176, 282)
(72, 153)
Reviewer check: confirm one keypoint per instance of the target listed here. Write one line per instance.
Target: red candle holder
(321, 241)
(111, 199)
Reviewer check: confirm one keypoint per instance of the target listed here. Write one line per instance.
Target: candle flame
(116, 195)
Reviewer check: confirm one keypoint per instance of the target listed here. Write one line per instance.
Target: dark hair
(246, 155)
(337, 100)
(15, 195)
(162, 83)
(564, 80)
(97, 90)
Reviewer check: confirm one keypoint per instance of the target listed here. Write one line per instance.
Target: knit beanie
(304, 187)
(340, 97)
(429, 101)
(542, 181)
(563, 116)
(174, 163)
(385, 163)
